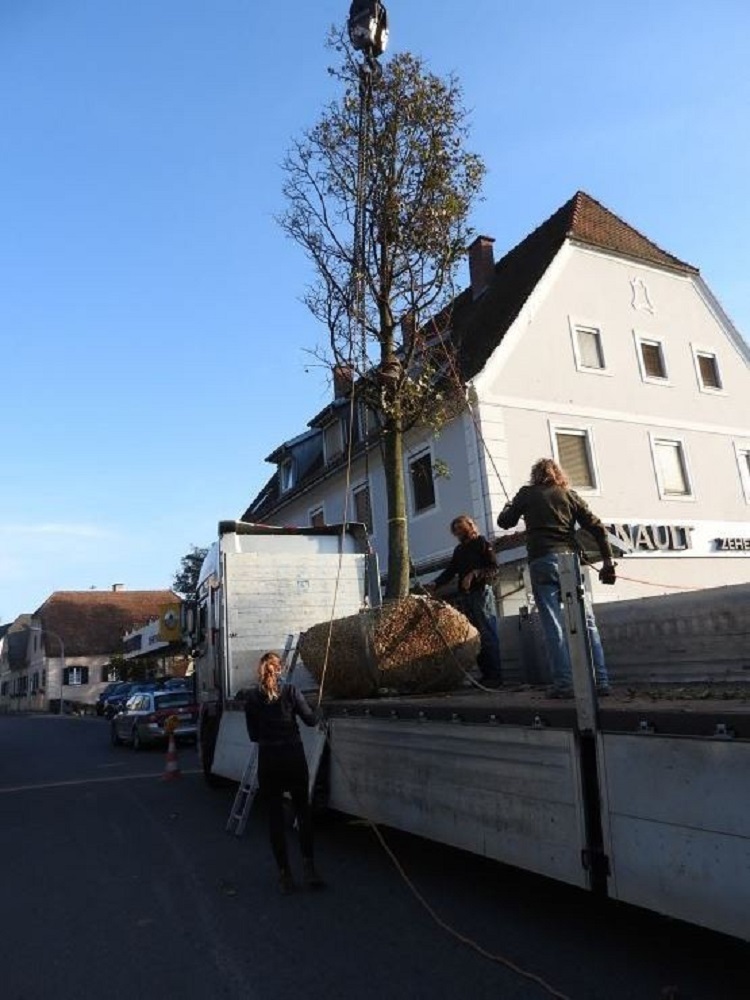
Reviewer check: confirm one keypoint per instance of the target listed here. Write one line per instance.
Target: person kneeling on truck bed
(473, 562)
(271, 712)
(551, 510)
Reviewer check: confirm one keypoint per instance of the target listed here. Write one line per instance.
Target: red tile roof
(588, 221)
(92, 622)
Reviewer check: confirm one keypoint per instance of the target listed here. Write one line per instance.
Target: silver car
(141, 722)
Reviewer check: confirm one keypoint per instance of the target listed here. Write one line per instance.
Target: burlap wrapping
(413, 646)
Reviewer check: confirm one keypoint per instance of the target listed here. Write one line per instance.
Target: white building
(589, 343)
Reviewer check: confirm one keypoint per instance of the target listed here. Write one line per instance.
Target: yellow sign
(170, 628)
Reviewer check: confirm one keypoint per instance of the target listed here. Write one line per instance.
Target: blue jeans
(545, 584)
(479, 607)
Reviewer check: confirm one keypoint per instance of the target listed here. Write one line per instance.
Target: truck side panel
(678, 814)
(507, 792)
(272, 594)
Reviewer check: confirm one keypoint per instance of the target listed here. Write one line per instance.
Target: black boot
(312, 878)
(286, 882)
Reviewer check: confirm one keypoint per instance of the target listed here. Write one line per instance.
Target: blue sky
(153, 339)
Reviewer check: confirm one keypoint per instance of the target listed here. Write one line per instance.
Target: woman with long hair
(551, 511)
(271, 713)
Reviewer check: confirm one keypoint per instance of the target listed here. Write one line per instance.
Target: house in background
(588, 343)
(64, 650)
(156, 649)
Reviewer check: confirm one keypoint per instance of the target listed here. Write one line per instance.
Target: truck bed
(701, 710)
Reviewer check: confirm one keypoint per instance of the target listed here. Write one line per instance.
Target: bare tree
(386, 302)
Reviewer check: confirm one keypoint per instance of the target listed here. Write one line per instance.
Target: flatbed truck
(639, 801)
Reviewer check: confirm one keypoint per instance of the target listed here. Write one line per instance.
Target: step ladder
(245, 796)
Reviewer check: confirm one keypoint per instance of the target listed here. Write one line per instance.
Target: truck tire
(209, 733)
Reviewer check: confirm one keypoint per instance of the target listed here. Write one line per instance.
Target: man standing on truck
(551, 511)
(474, 563)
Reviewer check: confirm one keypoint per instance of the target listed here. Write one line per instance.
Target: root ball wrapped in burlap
(413, 646)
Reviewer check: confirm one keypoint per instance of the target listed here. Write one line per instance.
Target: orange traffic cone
(172, 769)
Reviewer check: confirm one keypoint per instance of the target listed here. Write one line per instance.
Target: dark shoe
(492, 682)
(312, 878)
(559, 692)
(286, 882)
(603, 690)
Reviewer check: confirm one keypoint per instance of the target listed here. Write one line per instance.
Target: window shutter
(590, 349)
(672, 468)
(709, 371)
(574, 458)
(653, 360)
(66, 675)
(84, 675)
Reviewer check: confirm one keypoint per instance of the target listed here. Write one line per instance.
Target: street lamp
(62, 664)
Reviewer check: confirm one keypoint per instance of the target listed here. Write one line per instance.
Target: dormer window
(286, 475)
(333, 441)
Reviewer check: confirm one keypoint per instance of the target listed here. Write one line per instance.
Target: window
(333, 441)
(707, 370)
(671, 469)
(574, 455)
(74, 676)
(356, 426)
(743, 462)
(422, 482)
(587, 344)
(317, 518)
(286, 475)
(362, 509)
(651, 360)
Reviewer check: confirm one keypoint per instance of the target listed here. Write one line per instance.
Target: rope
(650, 583)
(430, 910)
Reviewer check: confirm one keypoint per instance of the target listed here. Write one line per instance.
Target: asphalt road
(117, 884)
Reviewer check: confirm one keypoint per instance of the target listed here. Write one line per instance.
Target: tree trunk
(398, 538)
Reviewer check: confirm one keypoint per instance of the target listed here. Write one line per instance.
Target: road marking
(86, 781)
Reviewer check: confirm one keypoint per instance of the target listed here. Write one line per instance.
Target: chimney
(481, 264)
(343, 378)
(117, 587)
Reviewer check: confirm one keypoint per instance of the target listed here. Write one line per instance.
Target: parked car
(178, 684)
(109, 691)
(141, 722)
(115, 702)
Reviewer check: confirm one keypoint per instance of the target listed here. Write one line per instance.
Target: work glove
(607, 573)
